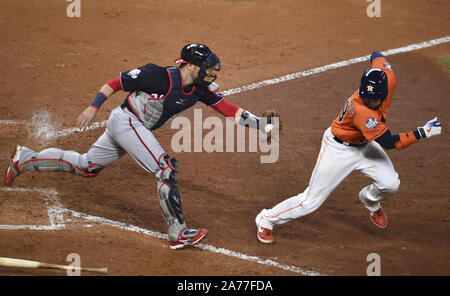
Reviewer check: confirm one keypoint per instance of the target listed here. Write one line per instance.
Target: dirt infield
(53, 65)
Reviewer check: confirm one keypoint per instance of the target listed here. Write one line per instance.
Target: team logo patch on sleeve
(387, 66)
(371, 123)
(134, 73)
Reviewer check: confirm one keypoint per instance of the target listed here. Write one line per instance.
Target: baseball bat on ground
(11, 262)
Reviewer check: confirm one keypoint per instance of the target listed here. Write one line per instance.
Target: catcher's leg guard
(169, 197)
(57, 160)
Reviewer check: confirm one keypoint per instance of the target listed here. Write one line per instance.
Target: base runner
(355, 141)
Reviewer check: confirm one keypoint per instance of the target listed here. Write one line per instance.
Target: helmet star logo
(369, 88)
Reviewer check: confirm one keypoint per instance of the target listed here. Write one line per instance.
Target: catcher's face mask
(206, 74)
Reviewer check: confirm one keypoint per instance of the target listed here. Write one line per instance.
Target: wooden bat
(11, 262)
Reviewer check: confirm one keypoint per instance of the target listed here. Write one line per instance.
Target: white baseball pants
(334, 163)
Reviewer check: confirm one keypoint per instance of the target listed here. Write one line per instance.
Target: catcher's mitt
(271, 120)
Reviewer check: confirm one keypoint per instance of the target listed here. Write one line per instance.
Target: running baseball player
(355, 141)
(155, 96)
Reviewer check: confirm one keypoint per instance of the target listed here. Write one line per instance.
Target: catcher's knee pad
(57, 160)
(169, 196)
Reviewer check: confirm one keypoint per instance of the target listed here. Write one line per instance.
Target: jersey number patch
(348, 107)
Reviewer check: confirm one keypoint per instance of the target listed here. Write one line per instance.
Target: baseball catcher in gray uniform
(155, 96)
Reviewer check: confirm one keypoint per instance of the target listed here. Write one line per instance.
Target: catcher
(155, 95)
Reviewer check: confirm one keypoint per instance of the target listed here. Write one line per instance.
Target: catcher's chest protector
(156, 112)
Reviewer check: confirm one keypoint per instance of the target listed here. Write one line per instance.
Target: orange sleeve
(383, 64)
(406, 139)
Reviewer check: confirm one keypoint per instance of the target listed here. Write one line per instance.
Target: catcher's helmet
(202, 56)
(374, 85)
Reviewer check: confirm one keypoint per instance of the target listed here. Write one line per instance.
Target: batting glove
(432, 128)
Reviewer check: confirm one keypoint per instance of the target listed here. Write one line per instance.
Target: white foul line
(210, 248)
(68, 131)
(56, 215)
(12, 122)
(333, 66)
(277, 80)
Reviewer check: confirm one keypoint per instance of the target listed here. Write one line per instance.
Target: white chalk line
(267, 82)
(57, 222)
(332, 66)
(13, 122)
(206, 247)
(53, 209)
(68, 131)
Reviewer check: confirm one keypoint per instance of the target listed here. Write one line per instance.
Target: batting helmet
(374, 85)
(202, 56)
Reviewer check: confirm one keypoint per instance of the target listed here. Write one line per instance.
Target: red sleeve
(115, 84)
(226, 108)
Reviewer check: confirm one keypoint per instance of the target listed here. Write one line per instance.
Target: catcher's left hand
(271, 120)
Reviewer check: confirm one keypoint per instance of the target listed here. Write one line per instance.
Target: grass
(446, 62)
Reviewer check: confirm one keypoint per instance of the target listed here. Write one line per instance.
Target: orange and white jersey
(357, 123)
